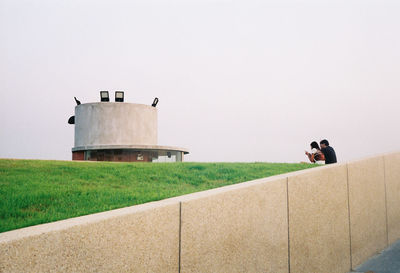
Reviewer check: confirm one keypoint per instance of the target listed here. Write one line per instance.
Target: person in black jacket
(328, 151)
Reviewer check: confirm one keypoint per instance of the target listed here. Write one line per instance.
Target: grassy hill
(35, 191)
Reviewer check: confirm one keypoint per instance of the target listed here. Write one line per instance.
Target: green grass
(34, 191)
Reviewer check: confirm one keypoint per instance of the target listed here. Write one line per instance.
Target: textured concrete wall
(327, 219)
(114, 123)
(243, 229)
(137, 239)
(319, 221)
(392, 178)
(367, 208)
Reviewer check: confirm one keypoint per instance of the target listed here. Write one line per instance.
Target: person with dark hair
(316, 156)
(329, 152)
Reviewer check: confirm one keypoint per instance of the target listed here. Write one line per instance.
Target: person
(329, 152)
(316, 156)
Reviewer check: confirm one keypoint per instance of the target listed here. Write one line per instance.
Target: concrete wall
(327, 219)
(392, 182)
(142, 238)
(319, 220)
(243, 229)
(115, 123)
(367, 208)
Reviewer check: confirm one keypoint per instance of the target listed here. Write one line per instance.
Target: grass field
(34, 191)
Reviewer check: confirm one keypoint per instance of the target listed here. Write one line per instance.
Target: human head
(324, 143)
(314, 144)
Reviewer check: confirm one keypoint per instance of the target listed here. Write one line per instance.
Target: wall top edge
(92, 218)
(21, 233)
(141, 147)
(17, 234)
(111, 103)
(370, 157)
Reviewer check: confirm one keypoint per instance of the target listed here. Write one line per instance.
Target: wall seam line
(287, 205)
(348, 210)
(386, 207)
(180, 237)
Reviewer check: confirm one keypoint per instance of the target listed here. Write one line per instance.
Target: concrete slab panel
(143, 238)
(319, 221)
(238, 229)
(392, 180)
(367, 208)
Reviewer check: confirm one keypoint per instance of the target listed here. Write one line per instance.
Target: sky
(238, 81)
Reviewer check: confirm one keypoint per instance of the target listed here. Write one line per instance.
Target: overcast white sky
(237, 80)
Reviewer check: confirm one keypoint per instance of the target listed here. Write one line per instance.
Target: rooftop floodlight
(104, 96)
(119, 96)
(155, 101)
(77, 101)
(71, 120)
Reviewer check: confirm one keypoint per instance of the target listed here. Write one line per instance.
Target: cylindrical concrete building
(118, 131)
